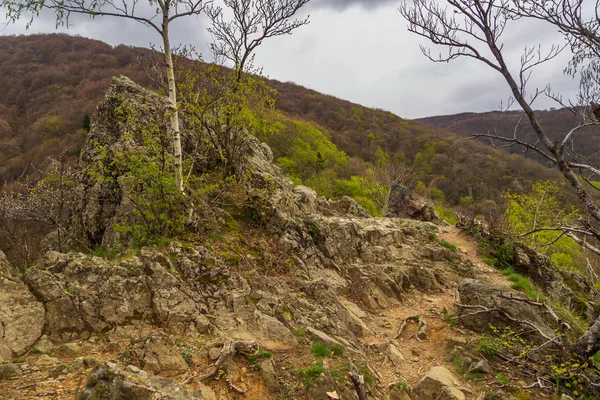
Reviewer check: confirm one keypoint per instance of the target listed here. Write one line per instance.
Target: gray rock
(21, 318)
(115, 382)
(157, 353)
(481, 366)
(440, 384)
(267, 371)
(46, 361)
(406, 203)
(7, 371)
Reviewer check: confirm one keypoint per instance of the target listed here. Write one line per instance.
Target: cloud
(344, 4)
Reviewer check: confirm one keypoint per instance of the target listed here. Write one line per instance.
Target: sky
(358, 50)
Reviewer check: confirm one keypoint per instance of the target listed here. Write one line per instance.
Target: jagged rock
(346, 206)
(115, 382)
(482, 366)
(397, 392)
(84, 294)
(156, 353)
(394, 354)
(477, 293)
(323, 337)
(406, 203)
(46, 361)
(21, 315)
(440, 384)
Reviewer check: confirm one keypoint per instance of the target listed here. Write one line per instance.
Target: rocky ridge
(173, 311)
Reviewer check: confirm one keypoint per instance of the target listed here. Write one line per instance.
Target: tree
(164, 10)
(473, 29)
(222, 105)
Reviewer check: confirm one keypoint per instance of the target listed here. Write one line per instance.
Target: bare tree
(473, 29)
(388, 173)
(221, 104)
(156, 14)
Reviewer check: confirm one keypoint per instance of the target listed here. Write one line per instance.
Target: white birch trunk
(177, 153)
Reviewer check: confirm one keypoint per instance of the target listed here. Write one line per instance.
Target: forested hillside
(50, 84)
(556, 122)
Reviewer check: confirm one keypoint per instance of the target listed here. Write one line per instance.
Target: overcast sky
(358, 50)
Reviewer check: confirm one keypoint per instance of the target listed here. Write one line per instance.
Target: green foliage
(319, 350)
(86, 123)
(337, 349)
(445, 213)
(311, 372)
(449, 246)
(544, 207)
(261, 354)
(147, 177)
(300, 333)
(522, 284)
(503, 379)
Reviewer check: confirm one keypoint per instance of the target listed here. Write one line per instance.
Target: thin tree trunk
(177, 153)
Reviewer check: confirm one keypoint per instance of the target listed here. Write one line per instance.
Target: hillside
(48, 83)
(556, 122)
(282, 294)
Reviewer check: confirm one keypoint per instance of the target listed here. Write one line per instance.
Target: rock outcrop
(406, 203)
(116, 382)
(21, 315)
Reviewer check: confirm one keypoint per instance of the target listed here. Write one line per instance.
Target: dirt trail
(421, 355)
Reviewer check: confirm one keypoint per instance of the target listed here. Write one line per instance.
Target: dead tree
(473, 29)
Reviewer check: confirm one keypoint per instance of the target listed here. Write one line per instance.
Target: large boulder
(503, 311)
(439, 384)
(115, 382)
(21, 315)
(406, 203)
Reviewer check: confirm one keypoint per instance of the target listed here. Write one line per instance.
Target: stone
(397, 392)
(394, 354)
(21, 315)
(267, 371)
(8, 371)
(406, 203)
(323, 337)
(46, 361)
(115, 382)
(481, 366)
(156, 353)
(67, 350)
(44, 345)
(440, 384)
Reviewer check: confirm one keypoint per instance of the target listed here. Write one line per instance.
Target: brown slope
(49, 82)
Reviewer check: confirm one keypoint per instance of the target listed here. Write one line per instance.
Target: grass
(448, 245)
(319, 350)
(300, 333)
(259, 355)
(523, 284)
(311, 372)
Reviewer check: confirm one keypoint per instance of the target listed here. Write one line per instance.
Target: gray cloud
(365, 57)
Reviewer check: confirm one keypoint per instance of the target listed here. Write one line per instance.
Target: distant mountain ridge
(557, 123)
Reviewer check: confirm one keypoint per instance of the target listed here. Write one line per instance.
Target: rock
(46, 361)
(115, 382)
(44, 345)
(15, 395)
(21, 315)
(481, 366)
(323, 337)
(6, 269)
(474, 292)
(267, 371)
(156, 353)
(406, 203)
(214, 353)
(397, 392)
(7, 371)
(565, 397)
(439, 384)
(394, 354)
(67, 350)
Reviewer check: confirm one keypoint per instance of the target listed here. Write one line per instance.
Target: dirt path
(468, 248)
(418, 356)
